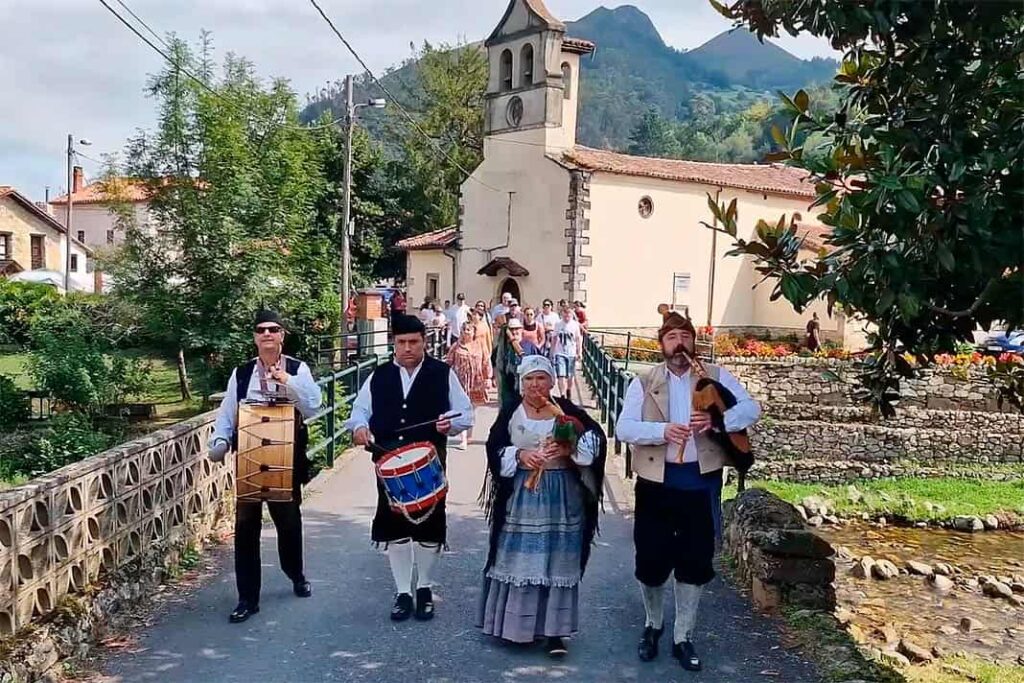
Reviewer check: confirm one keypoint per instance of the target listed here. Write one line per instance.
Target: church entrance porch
(511, 287)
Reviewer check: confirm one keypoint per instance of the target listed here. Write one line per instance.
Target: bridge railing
(612, 357)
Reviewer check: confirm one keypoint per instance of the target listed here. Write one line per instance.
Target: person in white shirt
(427, 314)
(567, 347)
(500, 309)
(412, 390)
(679, 480)
(269, 375)
(548, 318)
(457, 315)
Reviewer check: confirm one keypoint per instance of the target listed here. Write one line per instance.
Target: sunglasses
(269, 329)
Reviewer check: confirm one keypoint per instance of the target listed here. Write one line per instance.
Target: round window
(514, 112)
(645, 207)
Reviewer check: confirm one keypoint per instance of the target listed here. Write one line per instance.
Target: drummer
(269, 374)
(415, 388)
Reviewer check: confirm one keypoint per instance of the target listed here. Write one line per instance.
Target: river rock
(802, 511)
(971, 625)
(947, 630)
(968, 523)
(919, 568)
(815, 505)
(882, 521)
(970, 583)
(862, 567)
(940, 583)
(1017, 600)
(914, 652)
(843, 553)
(893, 658)
(997, 589)
(991, 522)
(943, 569)
(939, 652)
(884, 570)
(856, 633)
(816, 521)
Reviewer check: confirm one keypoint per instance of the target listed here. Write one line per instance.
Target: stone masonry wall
(112, 520)
(777, 558)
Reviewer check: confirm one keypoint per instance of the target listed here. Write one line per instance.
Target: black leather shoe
(556, 647)
(243, 612)
(648, 649)
(686, 655)
(403, 607)
(424, 604)
(302, 589)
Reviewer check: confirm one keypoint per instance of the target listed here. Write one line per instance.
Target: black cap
(407, 324)
(268, 316)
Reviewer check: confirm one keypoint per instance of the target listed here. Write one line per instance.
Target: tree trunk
(186, 395)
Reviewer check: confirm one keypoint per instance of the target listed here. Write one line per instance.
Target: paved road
(343, 632)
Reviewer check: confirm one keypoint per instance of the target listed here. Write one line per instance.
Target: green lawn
(913, 499)
(15, 366)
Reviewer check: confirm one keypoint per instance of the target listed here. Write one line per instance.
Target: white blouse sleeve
(587, 449)
(509, 462)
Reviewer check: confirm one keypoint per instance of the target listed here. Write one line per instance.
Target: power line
(86, 156)
(144, 24)
(397, 104)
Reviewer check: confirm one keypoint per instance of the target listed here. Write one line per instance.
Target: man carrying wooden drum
(270, 374)
(416, 398)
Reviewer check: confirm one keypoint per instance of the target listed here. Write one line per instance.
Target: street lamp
(346, 218)
(67, 216)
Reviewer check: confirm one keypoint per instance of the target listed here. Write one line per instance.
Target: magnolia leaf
(945, 256)
(779, 137)
(802, 101)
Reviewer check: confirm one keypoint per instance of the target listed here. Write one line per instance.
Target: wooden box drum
(266, 442)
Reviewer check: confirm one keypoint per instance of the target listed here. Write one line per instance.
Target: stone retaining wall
(777, 558)
(112, 520)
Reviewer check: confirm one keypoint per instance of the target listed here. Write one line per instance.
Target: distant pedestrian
(533, 331)
(580, 309)
(510, 353)
(567, 347)
(548, 318)
(813, 340)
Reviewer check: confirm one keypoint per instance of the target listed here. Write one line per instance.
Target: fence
(609, 376)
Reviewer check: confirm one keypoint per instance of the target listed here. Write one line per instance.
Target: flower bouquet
(566, 432)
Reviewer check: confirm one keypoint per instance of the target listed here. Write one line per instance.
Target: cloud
(68, 66)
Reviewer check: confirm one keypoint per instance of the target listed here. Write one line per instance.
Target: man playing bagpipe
(678, 455)
(271, 375)
(414, 399)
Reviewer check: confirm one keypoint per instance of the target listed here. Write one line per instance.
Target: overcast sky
(68, 66)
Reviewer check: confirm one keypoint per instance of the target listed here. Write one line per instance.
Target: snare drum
(413, 479)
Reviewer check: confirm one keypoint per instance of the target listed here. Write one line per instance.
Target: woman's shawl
(498, 489)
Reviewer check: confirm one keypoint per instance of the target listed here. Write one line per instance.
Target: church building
(542, 217)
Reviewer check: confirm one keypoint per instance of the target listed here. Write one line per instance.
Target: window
(38, 252)
(506, 70)
(74, 263)
(526, 64)
(110, 236)
(645, 207)
(81, 236)
(566, 81)
(681, 293)
(433, 280)
(5, 246)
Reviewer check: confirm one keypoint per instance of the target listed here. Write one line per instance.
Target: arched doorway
(512, 287)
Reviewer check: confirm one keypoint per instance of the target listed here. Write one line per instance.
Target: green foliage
(20, 304)
(68, 438)
(917, 173)
(14, 404)
(238, 187)
(653, 137)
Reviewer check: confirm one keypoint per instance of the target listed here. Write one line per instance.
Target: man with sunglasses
(269, 374)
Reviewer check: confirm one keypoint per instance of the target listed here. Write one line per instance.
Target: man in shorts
(567, 347)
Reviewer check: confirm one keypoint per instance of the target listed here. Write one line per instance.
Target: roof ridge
(723, 164)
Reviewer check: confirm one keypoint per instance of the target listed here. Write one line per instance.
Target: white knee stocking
(687, 601)
(654, 604)
(426, 556)
(401, 559)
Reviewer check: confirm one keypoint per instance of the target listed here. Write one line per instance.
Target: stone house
(92, 220)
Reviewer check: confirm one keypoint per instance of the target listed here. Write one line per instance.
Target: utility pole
(67, 214)
(346, 216)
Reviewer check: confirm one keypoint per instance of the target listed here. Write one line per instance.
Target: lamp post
(346, 218)
(68, 210)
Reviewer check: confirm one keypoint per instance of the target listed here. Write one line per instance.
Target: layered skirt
(532, 589)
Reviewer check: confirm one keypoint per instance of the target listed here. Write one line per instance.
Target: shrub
(14, 404)
(20, 304)
(68, 438)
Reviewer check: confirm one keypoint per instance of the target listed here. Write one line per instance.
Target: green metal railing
(341, 385)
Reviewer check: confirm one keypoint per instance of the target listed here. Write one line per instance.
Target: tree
(235, 185)
(654, 136)
(921, 172)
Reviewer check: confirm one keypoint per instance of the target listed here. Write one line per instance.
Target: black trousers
(287, 519)
(673, 531)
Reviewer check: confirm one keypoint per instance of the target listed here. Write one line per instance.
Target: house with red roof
(92, 220)
(543, 217)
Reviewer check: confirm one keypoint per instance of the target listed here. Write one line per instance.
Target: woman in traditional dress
(465, 359)
(545, 461)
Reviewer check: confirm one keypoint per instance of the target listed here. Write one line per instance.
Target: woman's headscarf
(531, 364)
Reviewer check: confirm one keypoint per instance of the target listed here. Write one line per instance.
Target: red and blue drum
(413, 478)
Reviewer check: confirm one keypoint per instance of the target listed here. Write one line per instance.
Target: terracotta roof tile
(436, 239)
(768, 178)
(814, 235)
(135, 191)
(577, 45)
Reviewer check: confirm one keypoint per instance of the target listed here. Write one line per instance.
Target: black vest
(300, 464)
(427, 399)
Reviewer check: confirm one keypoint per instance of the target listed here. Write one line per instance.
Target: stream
(913, 607)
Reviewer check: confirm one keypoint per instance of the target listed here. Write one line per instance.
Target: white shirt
(498, 310)
(548, 320)
(301, 388)
(362, 407)
(457, 317)
(586, 447)
(632, 429)
(567, 338)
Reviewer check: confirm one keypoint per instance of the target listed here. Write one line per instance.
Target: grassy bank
(911, 499)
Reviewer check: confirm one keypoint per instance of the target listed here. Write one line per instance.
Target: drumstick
(428, 422)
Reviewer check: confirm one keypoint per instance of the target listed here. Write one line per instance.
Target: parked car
(1003, 342)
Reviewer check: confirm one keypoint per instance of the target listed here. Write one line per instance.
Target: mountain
(632, 71)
